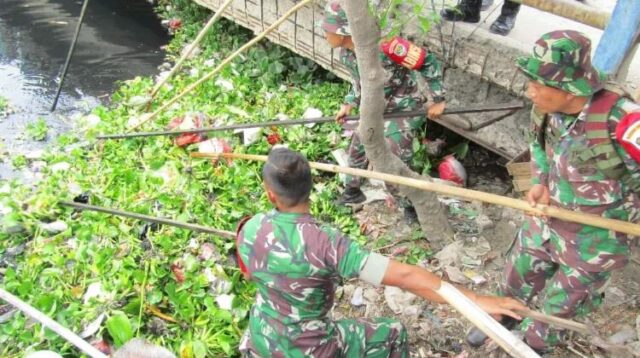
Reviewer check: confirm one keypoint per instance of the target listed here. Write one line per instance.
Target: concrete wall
(479, 70)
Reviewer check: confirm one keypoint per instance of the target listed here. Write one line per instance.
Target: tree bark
(366, 34)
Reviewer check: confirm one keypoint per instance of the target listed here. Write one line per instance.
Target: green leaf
(119, 328)
(199, 349)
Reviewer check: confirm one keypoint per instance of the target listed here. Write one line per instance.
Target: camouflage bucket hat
(562, 59)
(335, 19)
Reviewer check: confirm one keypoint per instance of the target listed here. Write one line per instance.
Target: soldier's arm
(539, 164)
(431, 71)
(353, 96)
(423, 283)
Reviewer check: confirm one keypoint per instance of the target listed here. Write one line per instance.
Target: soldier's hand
(538, 194)
(435, 109)
(501, 305)
(344, 111)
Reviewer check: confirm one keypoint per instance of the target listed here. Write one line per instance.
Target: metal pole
(71, 49)
(151, 219)
(455, 110)
(619, 37)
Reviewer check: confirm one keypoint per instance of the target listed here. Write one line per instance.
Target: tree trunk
(366, 35)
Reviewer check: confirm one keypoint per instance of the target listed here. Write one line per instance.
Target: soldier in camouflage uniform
(576, 165)
(401, 91)
(297, 262)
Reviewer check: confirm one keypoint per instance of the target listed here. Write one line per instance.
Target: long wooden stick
(391, 115)
(542, 210)
(505, 339)
(152, 219)
(191, 47)
(557, 321)
(223, 63)
(51, 324)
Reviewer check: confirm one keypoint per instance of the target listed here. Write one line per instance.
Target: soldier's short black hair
(288, 174)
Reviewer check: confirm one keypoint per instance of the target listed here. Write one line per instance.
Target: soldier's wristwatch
(438, 99)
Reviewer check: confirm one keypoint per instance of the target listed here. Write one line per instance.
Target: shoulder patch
(628, 134)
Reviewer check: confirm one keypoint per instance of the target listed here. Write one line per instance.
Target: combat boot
(476, 338)
(507, 19)
(486, 4)
(351, 196)
(466, 10)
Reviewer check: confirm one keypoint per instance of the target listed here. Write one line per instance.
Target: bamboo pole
(541, 210)
(505, 339)
(152, 219)
(569, 9)
(191, 47)
(557, 321)
(62, 331)
(391, 115)
(226, 61)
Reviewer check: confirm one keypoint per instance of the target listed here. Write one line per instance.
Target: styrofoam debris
(225, 301)
(93, 327)
(54, 227)
(357, 299)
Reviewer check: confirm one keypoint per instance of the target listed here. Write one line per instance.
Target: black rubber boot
(476, 338)
(507, 19)
(486, 4)
(351, 196)
(410, 215)
(466, 10)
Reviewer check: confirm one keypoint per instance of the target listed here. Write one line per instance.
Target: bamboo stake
(223, 63)
(541, 210)
(62, 331)
(191, 47)
(557, 321)
(152, 219)
(505, 339)
(391, 115)
(587, 15)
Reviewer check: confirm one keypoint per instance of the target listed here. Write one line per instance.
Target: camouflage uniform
(565, 263)
(401, 90)
(296, 264)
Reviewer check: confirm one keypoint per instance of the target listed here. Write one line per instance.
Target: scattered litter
(225, 301)
(213, 146)
(484, 222)
(455, 275)
(613, 297)
(93, 327)
(191, 120)
(450, 255)
(624, 335)
(477, 248)
(196, 51)
(138, 101)
(371, 295)
(282, 117)
(34, 154)
(398, 299)
(357, 299)
(94, 291)
(341, 158)
(311, 113)
(374, 194)
(476, 278)
(55, 227)
(451, 169)
(60, 167)
(207, 251)
(226, 85)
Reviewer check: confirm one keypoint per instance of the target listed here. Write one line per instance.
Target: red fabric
(404, 52)
(192, 122)
(450, 169)
(628, 135)
(241, 264)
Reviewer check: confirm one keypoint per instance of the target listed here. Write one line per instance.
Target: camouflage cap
(562, 59)
(335, 19)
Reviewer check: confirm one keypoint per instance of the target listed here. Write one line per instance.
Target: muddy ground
(483, 236)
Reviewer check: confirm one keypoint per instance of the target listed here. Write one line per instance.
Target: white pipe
(51, 324)
(505, 339)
